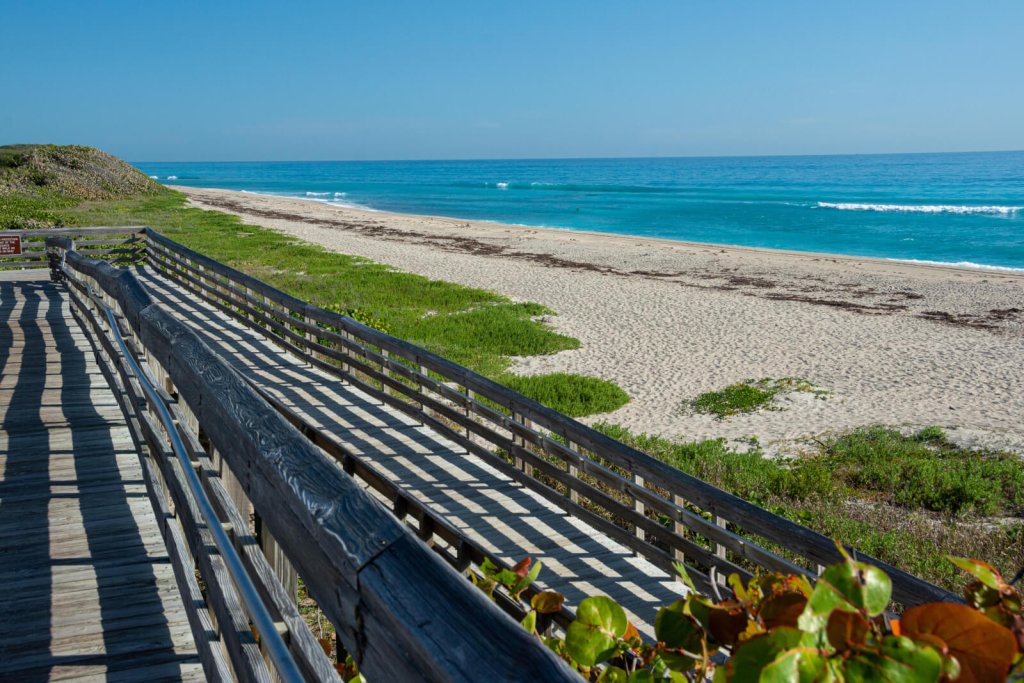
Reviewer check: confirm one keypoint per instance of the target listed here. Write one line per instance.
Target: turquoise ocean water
(965, 208)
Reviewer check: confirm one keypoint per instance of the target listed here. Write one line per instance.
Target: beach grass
(577, 395)
(476, 328)
(750, 396)
(929, 499)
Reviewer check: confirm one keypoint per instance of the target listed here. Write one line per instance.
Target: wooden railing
(399, 610)
(120, 246)
(660, 512)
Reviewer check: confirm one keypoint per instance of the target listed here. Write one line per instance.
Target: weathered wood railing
(661, 513)
(120, 246)
(398, 608)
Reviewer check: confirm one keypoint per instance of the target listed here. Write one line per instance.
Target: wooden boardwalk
(509, 520)
(86, 591)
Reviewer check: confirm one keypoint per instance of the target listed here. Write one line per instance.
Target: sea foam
(923, 208)
(957, 264)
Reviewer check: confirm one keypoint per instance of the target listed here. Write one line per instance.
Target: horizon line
(577, 158)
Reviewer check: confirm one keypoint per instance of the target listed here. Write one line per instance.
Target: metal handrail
(276, 648)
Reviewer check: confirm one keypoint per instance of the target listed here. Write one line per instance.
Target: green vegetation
(778, 627)
(908, 500)
(576, 395)
(750, 395)
(478, 329)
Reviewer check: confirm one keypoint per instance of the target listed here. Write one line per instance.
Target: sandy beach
(893, 343)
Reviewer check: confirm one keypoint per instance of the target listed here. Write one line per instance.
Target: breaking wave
(923, 208)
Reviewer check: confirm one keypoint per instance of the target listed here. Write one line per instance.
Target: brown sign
(10, 245)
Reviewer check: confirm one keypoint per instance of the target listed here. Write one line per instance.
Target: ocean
(963, 208)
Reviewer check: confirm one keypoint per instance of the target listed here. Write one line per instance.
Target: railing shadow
(501, 515)
(79, 587)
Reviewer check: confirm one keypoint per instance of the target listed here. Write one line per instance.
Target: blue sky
(254, 80)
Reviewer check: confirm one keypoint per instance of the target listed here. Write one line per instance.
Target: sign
(10, 245)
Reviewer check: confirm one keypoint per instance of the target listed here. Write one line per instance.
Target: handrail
(287, 669)
(324, 338)
(399, 610)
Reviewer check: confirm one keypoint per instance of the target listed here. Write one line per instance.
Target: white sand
(899, 344)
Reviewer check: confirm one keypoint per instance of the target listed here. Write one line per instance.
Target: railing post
(639, 508)
(679, 528)
(574, 472)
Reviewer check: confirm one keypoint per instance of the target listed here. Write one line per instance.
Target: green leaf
(593, 636)
(642, 676)
(752, 656)
(847, 586)
(613, 674)
(529, 622)
(507, 578)
(677, 629)
(684, 575)
(899, 660)
(520, 585)
(488, 568)
(805, 665)
(982, 571)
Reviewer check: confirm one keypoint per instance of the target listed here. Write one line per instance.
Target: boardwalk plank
(508, 520)
(88, 593)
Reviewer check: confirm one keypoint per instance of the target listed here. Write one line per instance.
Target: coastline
(894, 342)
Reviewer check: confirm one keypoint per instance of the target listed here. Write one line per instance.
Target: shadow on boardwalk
(80, 546)
(503, 516)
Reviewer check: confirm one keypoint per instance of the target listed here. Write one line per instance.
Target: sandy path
(894, 343)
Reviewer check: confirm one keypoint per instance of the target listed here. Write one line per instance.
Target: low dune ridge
(892, 343)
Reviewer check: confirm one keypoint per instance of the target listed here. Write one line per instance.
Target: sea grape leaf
(684, 575)
(982, 571)
(529, 622)
(782, 609)
(752, 656)
(677, 629)
(727, 621)
(593, 636)
(898, 660)
(488, 568)
(613, 674)
(984, 649)
(846, 586)
(736, 584)
(846, 629)
(631, 633)
(522, 567)
(547, 602)
(524, 581)
(803, 664)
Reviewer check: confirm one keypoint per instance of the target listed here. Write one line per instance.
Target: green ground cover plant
(921, 498)
(476, 328)
(577, 395)
(749, 396)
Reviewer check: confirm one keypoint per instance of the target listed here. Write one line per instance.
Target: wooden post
(574, 472)
(679, 527)
(279, 562)
(518, 462)
(639, 508)
(720, 549)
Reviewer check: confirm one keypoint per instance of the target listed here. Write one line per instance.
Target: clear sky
(423, 79)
